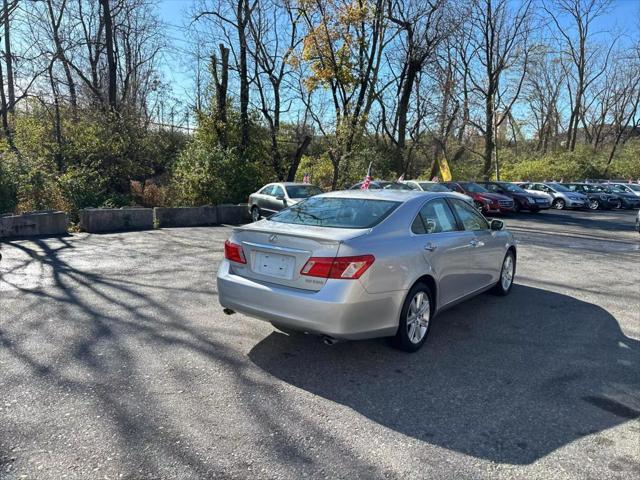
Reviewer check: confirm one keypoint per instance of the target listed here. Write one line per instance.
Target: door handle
(430, 247)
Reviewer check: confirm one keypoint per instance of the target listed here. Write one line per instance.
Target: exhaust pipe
(329, 340)
(228, 311)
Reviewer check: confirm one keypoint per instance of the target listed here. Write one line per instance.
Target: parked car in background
(633, 188)
(364, 264)
(598, 198)
(382, 185)
(626, 200)
(522, 200)
(483, 199)
(429, 186)
(561, 195)
(275, 196)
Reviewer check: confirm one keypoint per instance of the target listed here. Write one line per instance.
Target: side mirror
(280, 197)
(496, 225)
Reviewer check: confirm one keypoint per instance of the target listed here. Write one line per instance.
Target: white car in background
(522, 185)
(429, 186)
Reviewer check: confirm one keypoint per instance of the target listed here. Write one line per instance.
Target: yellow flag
(445, 173)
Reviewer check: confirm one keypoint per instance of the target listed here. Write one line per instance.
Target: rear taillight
(233, 252)
(338, 267)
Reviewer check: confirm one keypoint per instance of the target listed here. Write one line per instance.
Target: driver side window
(469, 217)
(277, 191)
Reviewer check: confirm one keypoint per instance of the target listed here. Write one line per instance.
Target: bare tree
(500, 47)
(422, 26)
(582, 63)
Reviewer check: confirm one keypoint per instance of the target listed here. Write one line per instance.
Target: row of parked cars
(489, 197)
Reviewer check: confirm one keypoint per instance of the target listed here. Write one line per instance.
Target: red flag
(367, 179)
(401, 178)
(435, 179)
(306, 178)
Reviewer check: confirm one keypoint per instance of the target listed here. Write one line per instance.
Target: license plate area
(274, 265)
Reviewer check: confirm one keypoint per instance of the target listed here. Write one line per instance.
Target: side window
(471, 219)
(277, 191)
(434, 217)
(573, 188)
(491, 187)
(267, 190)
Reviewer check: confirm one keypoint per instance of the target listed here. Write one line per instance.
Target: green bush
(206, 174)
(8, 190)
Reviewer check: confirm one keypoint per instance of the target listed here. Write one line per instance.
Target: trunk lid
(276, 252)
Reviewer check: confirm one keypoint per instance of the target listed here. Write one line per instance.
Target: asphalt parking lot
(117, 362)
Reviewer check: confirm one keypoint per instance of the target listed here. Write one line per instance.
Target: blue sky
(624, 18)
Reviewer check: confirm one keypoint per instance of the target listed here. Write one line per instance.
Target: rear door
(486, 249)
(445, 247)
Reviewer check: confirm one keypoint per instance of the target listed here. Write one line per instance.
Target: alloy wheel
(594, 204)
(506, 276)
(558, 204)
(255, 214)
(418, 317)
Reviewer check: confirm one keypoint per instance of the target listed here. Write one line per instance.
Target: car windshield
(635, 188)
(302, 191)
(510, 187)
(433, 187)
(337, 212)
(474, 187)
(558, 188)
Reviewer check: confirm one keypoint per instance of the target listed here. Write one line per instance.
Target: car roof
(390, 195)
(289, 184)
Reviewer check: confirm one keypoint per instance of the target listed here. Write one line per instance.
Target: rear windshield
(337, 212)
(303, 191)
(433, 187)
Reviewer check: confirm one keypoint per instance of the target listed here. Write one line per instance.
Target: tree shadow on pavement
(111, 346)
(505, 379)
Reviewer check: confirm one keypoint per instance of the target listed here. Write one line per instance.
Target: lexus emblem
(273, 238)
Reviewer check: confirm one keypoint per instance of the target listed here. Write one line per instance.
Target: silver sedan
(363, 264)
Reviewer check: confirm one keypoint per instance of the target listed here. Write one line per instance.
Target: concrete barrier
(233, 214)
(98, 220)
(185, 216)
(34, 224)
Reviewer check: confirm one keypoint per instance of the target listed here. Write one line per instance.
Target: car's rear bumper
(341, 309)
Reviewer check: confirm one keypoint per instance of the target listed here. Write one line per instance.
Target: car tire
(507, 275)
(516, 206)
(255, 214)
(594, 204)
(618, 204)
(411, 335)
(559, 204)
(535, 210)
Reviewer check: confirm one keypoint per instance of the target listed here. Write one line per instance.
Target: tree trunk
(112, 66)
(243, 19)
(488, 136)
(11, 94)
(221, 80)
(297, 156)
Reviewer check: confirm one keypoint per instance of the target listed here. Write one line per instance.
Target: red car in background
(484, 200)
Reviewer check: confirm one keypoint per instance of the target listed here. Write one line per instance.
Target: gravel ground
(116, 361)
